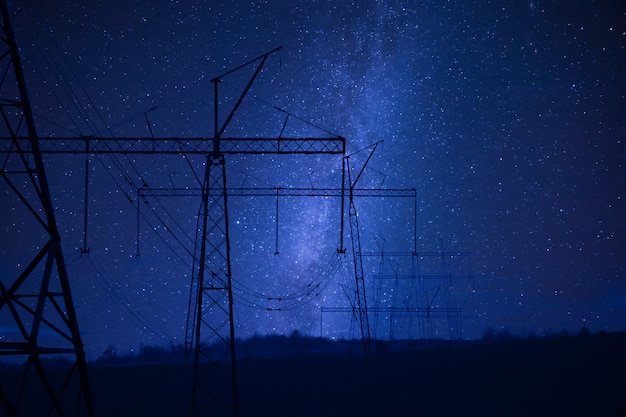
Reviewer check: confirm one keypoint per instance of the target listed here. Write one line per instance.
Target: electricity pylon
(36, 307)
(211, 334)
(360, 297)
(348, 191)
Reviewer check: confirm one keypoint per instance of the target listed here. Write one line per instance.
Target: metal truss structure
(359, 305)
(46, 302)
(211, 306)
(36, 305)
(359, 309)
(210, 331)
(176, 146)
(282, 192)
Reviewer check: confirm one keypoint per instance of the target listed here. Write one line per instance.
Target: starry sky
(506, 117)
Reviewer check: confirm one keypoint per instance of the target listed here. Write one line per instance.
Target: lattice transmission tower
(36, 306)
(347, 192)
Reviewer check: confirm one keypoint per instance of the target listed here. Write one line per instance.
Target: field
(559, 376)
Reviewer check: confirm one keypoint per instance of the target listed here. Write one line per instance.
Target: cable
(289, 114)
(167, 213)
(113, 289)
(297, 299)
(143, 216)
(66, 87)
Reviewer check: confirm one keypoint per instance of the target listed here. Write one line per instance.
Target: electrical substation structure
(414, 294)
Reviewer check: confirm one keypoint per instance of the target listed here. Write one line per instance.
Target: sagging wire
(144, 217)
(73, 97)
(114, 293)
(71, 94)
(246, 296)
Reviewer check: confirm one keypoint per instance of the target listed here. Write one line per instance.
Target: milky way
(505, 117)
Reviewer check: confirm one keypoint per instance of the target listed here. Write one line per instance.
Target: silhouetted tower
(360, 297)
(357, 296)
(36, 305)
(210, 332)
(211, 304)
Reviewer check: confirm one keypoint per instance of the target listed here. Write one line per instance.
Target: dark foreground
(574, 376)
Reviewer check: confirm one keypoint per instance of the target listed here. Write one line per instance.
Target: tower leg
(215, 372)
(360, 298)
(37, 304)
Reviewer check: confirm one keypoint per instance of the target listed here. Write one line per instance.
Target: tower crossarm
(395, 309)
(418, 254)
(149, 145)
(422, 276)
(281, 192)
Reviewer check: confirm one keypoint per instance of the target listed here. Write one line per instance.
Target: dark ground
(559, 376)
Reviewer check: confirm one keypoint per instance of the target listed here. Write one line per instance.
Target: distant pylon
(36, 305)
(427, 288)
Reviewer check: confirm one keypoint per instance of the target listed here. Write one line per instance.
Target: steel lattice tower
(212, 305)
(38, 302)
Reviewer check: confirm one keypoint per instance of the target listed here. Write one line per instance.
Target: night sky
(506, 117)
